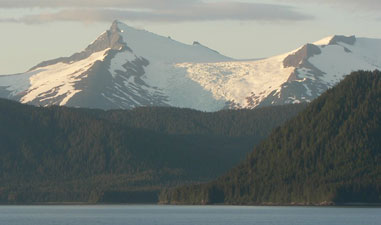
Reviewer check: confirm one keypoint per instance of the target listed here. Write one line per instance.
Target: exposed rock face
(300, 57)
(351, 40)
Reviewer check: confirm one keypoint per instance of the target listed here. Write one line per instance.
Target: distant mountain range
(330, 153)
(126, 68)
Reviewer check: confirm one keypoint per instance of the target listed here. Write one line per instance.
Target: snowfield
(235, 81)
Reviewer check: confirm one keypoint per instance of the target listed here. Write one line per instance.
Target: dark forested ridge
(328, 154)
(60, 154)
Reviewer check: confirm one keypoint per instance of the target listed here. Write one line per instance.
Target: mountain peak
(109, 39)
(350, 40)
(335, 39)
(116, 22)
(115, 26)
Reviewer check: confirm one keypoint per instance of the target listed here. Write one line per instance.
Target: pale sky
(36, 30)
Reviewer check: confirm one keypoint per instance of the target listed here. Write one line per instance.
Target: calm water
(186, 215)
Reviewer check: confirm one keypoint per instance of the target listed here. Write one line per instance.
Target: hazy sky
(36, 30)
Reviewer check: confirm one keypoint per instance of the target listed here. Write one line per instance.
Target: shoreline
(365, 205)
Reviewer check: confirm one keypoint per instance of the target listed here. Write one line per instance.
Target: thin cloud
(95, 3)
(197, 11)
(9, 20)
(353, 5)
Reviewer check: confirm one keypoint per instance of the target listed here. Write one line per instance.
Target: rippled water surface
(187, 215)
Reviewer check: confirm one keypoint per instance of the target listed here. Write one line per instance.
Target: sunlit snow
(59, 78)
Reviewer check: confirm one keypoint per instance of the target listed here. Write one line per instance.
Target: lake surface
(187, 215)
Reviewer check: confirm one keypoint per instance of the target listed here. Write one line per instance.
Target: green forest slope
(60, 154)
(328, 154)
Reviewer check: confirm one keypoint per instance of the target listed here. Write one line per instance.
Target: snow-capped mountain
(126, 68)
(297, 76)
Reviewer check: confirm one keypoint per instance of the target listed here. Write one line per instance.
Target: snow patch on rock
(59, 79)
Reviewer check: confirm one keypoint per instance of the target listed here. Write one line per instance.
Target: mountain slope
(329, 153)
(57, 154)
(126, 68)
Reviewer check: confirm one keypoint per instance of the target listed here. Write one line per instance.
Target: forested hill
(328, 154)
(58, 154)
